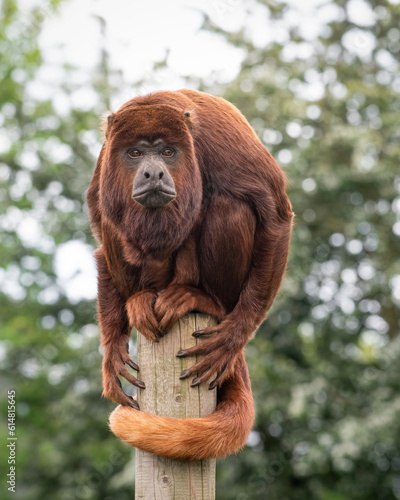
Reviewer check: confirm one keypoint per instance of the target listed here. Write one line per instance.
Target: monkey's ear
(188, 119)
(106, 123)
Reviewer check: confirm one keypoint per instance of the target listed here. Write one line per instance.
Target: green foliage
(324, 364)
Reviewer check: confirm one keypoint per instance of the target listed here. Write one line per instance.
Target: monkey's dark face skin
(151, 162)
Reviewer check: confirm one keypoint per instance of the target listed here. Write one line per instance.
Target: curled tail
(222, 432)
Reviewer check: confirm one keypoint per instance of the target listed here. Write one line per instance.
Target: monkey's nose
(153, 173)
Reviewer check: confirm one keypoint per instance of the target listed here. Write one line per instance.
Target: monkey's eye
(134, 153)
(168, 152)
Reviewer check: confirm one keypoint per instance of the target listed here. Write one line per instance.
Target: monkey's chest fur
(215, 257)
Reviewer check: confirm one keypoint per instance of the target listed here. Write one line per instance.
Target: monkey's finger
(207, 331)
(159, 307)
(151, 324)
(173, 292)
(191, 351)
(131, 379)
(165, 307)
(200, 368)
(149, 333)
(125, 400)
(113, 390)
(134, 403)
(206, 347)
(203, 377)
(132, 364)
(167, 320)
(220, 378)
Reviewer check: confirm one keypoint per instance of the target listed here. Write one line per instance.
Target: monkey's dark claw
(133, 365)
(140, 384)
(184, 374)
(181, 353)
(198, 333)
(195, 381)
(212, 385)
(134, 403)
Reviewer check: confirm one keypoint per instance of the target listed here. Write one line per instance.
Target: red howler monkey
(185, 200)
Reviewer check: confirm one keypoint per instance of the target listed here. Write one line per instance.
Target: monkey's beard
(160, 230)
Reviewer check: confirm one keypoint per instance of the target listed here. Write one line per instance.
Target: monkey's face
(149, 171)
(151, 163)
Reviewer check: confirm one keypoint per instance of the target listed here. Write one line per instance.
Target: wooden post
(160, 478)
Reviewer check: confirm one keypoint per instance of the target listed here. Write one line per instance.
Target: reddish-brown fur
(220, 247)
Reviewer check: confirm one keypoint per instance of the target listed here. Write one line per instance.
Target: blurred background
(320, 84)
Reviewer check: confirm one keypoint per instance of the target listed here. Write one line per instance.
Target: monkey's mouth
(154, 197)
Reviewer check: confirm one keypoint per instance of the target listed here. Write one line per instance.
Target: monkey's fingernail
(140, 384)
(195, 381)
(162, 332)
(212, 386)
(184, 374)
(133, 365)
(181, 353)
(199, 332)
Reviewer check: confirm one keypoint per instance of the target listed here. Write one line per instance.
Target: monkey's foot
(220, 354)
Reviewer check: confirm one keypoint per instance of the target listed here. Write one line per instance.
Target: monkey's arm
(270, 254)
(115, 334)
(139, 306)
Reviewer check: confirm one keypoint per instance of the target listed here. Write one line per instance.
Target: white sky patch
(76, 270)
(141, 33)
(9, 283)
(137, 35)
(30, 231)
(359, 42)
(360, 13)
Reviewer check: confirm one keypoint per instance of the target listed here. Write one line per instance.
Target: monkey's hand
(141, 315)
(177, 300)
(220, 353)
(116, 356)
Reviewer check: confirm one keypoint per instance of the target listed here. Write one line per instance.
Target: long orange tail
(222, 432)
